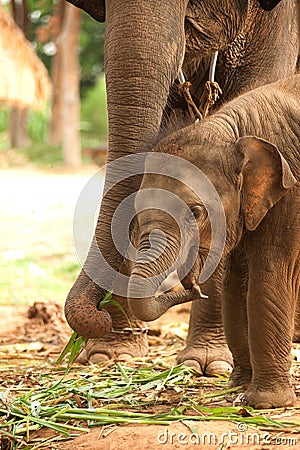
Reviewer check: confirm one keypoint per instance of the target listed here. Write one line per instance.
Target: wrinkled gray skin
(250, 151)
(146, 43)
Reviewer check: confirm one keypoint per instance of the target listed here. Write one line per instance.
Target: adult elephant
(146, 44)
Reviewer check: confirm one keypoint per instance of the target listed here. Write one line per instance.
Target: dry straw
(71, 402)
(24, 81)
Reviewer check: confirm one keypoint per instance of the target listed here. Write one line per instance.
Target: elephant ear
(266, 178)
(95, 8)
(268, 5)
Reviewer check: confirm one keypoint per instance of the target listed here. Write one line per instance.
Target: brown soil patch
(34, 335)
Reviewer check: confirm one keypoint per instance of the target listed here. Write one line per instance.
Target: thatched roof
(24, 80)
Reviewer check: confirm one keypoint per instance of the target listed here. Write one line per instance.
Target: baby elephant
(227, 189)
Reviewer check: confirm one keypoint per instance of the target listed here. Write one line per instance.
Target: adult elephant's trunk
(144, 48)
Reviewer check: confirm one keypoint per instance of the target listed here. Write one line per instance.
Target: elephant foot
(206, 360)
(265, 399)
(240, 377)
(121, 346)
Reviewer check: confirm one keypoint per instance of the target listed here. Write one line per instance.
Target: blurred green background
(93, 129)
(93, 120)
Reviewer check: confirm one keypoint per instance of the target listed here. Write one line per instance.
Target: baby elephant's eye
(198, 211)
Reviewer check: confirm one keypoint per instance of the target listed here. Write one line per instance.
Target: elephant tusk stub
(197, 288)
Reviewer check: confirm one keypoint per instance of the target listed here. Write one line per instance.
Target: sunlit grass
(23, 281)
(43, 154)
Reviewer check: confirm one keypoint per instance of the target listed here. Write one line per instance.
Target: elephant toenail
(98, 358)
(218, 368)
(193, 364)
(124, 357)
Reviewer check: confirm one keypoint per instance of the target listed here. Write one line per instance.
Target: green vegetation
(91, 51)
(94, 122)
(76, 342)
(39, 151)
(71, 403)
(93, 131)
(38, 122)
(42, 154)
(3, 119)
(23, 281)
(93, 126)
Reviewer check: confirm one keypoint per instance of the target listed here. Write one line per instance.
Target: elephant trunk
(151, 307)
(149, 272)
(144, 48)
(82, 314)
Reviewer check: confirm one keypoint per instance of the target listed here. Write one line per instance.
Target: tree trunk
(70, 98)
(18, 134)
(55, 128)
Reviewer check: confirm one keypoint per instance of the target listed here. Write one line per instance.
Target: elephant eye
(198, 211)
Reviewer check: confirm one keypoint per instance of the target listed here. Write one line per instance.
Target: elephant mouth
(170, 292)
(170, 284)
(173, 284)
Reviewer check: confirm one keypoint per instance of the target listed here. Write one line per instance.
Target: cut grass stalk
(119, 395)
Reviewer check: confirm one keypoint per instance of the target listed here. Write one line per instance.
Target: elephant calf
(247, 159)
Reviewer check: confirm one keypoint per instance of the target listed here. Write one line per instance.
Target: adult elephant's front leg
(206, 347)
(144, 49)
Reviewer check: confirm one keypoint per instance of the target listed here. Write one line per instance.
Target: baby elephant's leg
(271, 299)
(206, 348)
(235, 317)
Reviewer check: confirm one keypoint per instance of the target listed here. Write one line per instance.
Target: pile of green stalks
(71, 401)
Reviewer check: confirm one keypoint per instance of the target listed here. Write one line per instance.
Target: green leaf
(109, 300)
(67, 348)
(76, 342)
(74, 347)
(105, 301)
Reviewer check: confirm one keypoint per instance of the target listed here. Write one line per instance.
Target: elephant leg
(128, 337)
(206, 349)
(296, 337)
(235, 287)
(270, 306)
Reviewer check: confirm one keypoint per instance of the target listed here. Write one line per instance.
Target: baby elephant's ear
(268, 4)
(266, 176)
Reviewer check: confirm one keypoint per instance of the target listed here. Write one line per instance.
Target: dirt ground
(37, 213)
(37, 209)
(32, 342)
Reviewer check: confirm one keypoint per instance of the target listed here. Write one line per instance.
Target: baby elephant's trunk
(152, 307)
(147, 275)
